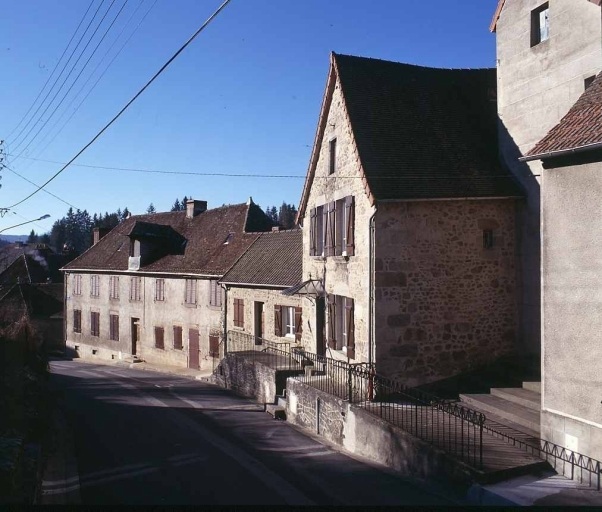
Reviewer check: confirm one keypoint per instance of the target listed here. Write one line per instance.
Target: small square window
(589, 81)
(332, 156)
(487, 238)
(540, 24)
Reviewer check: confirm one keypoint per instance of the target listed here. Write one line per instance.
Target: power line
(155, 76)
(90, 77)
(69, 74)
(52, 73)
(59, 75)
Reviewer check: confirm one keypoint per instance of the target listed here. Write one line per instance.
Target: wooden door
(258, 321)
(135, 331)
(320, 326)
(193, 349)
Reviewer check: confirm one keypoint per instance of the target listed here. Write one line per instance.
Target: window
(589, 81)
(332, 226)
(215, 293)
(239, 313)
(135, 248)
(77, 320)
(540, 24)
(94, 286)
(135, 286)
(332, 156)
(160, 289)
(487, 238)
(160, 338)
(190, 293)
(114, 327)
(214, 345)
(177, 337)
(77, 284)
(114, 288)
(94, 323)
(287, 321)
(341, 324)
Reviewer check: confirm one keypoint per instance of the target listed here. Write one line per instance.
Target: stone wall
(152, 313)
(443, 302)
(536, 87)
(366, 435)
(346, 276)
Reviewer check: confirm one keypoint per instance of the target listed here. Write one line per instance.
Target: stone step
(521, 396)
(281, 402)
(533, 386)
(513, 412)
(278, 412)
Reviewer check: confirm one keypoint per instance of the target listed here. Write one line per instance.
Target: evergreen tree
(151, 208)
(176, 206)
(32, 238)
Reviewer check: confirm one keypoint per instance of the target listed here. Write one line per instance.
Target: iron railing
(576, 466)
(277, 355)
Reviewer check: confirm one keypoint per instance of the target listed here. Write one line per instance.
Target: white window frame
(540, 24)
(288, 321)
(160, 289)
(77, 284)
(190, 292)
(114, 287)
(135, 287)
(215, 293)
(94, 285)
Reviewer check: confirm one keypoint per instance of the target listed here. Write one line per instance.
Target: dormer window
(135, 248)
(540, 24)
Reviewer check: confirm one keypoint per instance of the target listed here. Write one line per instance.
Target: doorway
(320, 326)
(135, 331)
(258, 322)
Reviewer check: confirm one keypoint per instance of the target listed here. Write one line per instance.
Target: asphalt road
(144, 438)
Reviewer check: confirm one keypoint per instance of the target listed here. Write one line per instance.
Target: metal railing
(576, 466)
(455, 429)
(277, 355)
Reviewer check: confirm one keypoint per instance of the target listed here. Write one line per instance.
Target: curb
(60, 482)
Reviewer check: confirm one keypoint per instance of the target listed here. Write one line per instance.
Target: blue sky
(244, 98)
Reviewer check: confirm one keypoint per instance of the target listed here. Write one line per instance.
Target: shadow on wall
(528, 244)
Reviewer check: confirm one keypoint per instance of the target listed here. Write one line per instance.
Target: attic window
(228, 238)
(332, 156)
(540, 24)
(589, 81)
(135, 248)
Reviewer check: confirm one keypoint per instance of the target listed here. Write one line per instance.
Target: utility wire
(95, 83)
(69, 74)
(60, 74)
(53, 71)
(155, 76)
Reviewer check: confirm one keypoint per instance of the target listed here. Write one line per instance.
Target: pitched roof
(35, 300)
(579, 129)
(30, 263)
(275, 259)
(421, 133)
(205, 250)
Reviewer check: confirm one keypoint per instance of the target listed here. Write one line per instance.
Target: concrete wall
(443, 302)
(536, 87)
(172, 311)
(270, 298)
(367, 435)
(572, 302)
(341, 275)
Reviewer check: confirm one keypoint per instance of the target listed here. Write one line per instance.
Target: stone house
(255, 305)
(546, 52)
(571, 154)
(149, 288)
(550, 107)
(408, 222)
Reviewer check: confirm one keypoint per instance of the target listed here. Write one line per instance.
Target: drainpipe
(225, 303)
(371, 287)
(65, 313)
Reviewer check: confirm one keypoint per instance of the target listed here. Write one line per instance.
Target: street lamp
(46, 216)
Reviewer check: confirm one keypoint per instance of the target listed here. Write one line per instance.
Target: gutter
(225, 303)
(467, 198)
(138, 273)
(561, 152)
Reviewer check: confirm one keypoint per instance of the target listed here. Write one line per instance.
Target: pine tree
(176, 206)
(32, 238)
(151, 208)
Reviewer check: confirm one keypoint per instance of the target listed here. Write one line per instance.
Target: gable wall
(443, 302)
(342, 276)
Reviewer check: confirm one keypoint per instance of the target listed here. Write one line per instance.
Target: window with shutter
(313, 231)
(77, 284)
(159, 290)
(94, 286)
(190, 292)
(77, 320)
(177, 337)
(298, 323)
(349, 328)
(239, 313)
(332, 342)
(349, 226)
(135, 286)
(94, 323)
(215, 293)
(114, 287)
(213, 345)
(114, 327)
(159, 338)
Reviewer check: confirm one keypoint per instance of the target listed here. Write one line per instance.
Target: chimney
(275, 229)
(99, 233)
(194, 207)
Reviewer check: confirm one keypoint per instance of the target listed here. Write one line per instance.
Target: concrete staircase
(278, 408)
(516, 408)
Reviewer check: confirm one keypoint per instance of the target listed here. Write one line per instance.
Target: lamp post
(46, 216)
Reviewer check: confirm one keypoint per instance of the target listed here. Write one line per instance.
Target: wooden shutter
(332, 228)
(277, 320)
(298, 323)
(177, 337)
(349, 322)
(350, 225)
(313, 231)
(324, 233)
(214, 345)
(339, 217)
(332, 310)
(159, 338)
(241, 314)
(236, 314)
